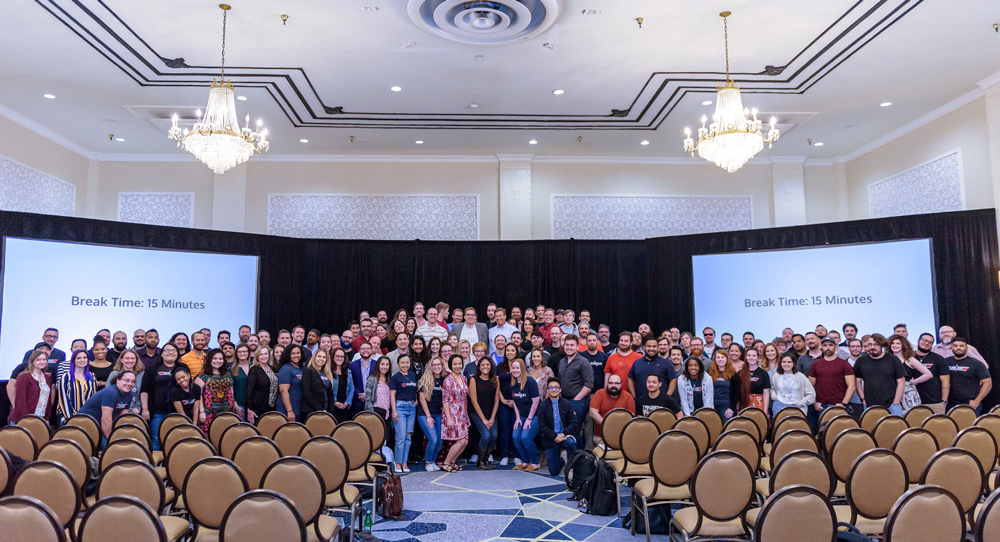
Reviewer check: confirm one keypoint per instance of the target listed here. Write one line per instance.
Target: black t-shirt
(187, 400)
(555, 356)
(759, 381)
(485, 395)
(966, 374)
(930, 391)
(156, 383)
(646, 404)
(523, 397)
(505, 389)
(434, 401)
(597, 362)
(879, 376)
(404, 386)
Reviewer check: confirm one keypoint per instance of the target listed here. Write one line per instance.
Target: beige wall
(963, 128)
(32, 149)
(822, 194)
(156, 177)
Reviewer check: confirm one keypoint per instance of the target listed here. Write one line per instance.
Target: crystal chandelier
(217, 139)
(732, 139)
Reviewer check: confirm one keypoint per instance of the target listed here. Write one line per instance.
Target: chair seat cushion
(687, 519)
(157, 457)
(169, 495)
(631, 470)
(328, 529)
(607, 455)
(335, 500)
(752, 515)
(174, 526)
(89, 500)
(766, 447)
(376, 458)
(179, 504)
(840, 490)
(865, 525)
(763, 487)
(161, 472)
(206, 535)
(765, 463)
(663, 493)
(365, 474)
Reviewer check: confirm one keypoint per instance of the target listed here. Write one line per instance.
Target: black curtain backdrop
(325, 283)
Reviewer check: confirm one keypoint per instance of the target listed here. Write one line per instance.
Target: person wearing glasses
(557, 423)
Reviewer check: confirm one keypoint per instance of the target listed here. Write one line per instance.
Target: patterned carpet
(473, 506)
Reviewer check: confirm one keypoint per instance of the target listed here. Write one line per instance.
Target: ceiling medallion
(216, 138)
(495, 22)
(732, 139)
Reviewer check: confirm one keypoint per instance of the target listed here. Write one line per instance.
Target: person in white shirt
(501, 328)
(470, 330)
(430, 328)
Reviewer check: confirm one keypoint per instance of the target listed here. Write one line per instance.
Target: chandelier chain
(725, 25)
(224, 13)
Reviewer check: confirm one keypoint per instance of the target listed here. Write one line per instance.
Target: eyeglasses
(554, 388)
(710, 334)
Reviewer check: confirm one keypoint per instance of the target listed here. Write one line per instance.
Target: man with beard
(382, 317)
(797, 346)
(596, 358)
(119, 342)
(856, 348)
(833, 379)
(606, 400)
(943, 348)
(244, 333)
(651, 364)
(347, 343)
(604, 335)
(366, 334)
(786, 335)
(710, 345)
(725, 340)
(970, 381)
(934, 392)
(880, 376)
(697, 351)
(264, 336)
(805, 360)
(850, 332)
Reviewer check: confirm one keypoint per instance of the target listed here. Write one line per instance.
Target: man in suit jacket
(557, 431)
(361, 369)
(470, 330)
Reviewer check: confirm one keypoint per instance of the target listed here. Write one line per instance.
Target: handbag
(911, 397)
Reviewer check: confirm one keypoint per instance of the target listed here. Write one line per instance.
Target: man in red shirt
(608, 399)
(365, 336)
(548, 322)
(621, 361)
(833, 378)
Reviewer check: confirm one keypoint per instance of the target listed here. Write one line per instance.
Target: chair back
(788, 411)
(233, 436)
(614, 423)
(638, 438)
(131, 431)
(300, 481)
(917, 414)
(375, 426)
(70, 455)
(329, 458)
(871, 416)
(991, 423)
(125, 448)
(796, 514)
(219, 424)
(290, 438)
(52, 484)
(135, 479)
(179, 432)
(944, 429)
(887, 429)
(987, 526)
(210, 487)
(18, 441)
(834, 427)
(959, 472)
(925, 514)
(743, 443)
(980, 442)
(792, 441)
(27, 518)
(321, 422)
(848, 447)
(133, 419)
(6, 472)
(123, 519)
(832, 413)
(78, 435)
(674, 458)
(787, 424)
(697, 429)
(878, 478)
(172, 420)
(270, 422)
(803, 467)
(262, 516)
(746, 424)
(40, 430)
(88, 424)
(254, 455)
(356, 442)
(664, 420)
(964, 416)
(915, 447)
(184, 456)
(722, 486)
(713, 420)
(759, 417)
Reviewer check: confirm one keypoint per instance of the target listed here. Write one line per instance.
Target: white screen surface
(874, 286)
(80, 289)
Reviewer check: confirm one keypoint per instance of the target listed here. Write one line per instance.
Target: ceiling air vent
(484, 23)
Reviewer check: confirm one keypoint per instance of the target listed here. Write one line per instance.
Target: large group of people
(530, 378)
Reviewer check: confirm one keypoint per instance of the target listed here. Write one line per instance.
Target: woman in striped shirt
(76, 386)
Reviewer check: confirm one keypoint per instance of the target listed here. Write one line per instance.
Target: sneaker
(431, 467)
(503, 462)
(474, 458)
(490, 459)
(517, 461)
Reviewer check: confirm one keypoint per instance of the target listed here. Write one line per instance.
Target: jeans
(487, 437)
(505, 421)
(524, 442)
(896, 409)
(580, 410)
(154, 428)
(556, 463)
(776, 407)
(433, 437)
(407, 412)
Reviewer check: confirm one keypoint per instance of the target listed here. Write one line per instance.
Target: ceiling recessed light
(419, 142)
(122, 139)
(885, 104)
(644, 142)
(303, 141)
(532, 142)
(558, 91)
(820, 144)
(707, 102)
(396, 89)
(241, 98)
(49, 96)
(473, 106)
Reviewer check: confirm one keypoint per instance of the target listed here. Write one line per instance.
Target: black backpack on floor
(580, 468)
(599, 490)
(659, 517)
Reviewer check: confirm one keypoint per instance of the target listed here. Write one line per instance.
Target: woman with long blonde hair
(524, 391)
(429, 411)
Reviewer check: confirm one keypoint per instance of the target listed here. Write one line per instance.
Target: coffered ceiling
(327, 73)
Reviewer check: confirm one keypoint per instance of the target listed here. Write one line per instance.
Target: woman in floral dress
(217, 389)
(454, 394)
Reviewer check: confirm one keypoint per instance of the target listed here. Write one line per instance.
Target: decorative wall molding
(641, 217)
(26, 189)
(935, 186)
(445, 217)
(157, 208)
